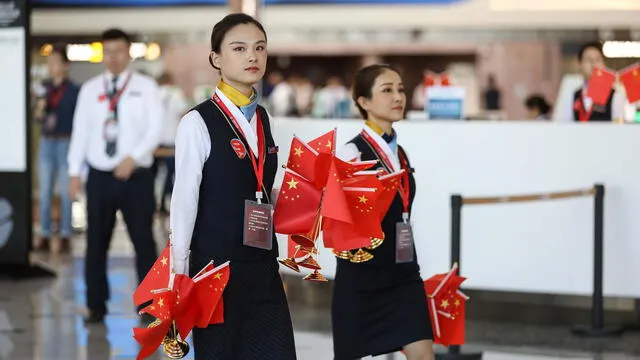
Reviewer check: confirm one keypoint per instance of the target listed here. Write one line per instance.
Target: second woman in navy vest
(226, 161)
(379, 306)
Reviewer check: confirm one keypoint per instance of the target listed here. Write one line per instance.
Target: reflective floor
(42, 319)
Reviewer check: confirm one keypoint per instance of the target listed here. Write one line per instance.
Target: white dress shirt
(193, 147)
(140, 115)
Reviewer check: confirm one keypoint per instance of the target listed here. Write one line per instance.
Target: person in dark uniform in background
(55, 114)
(380, 306)
(116, 128)
(226, 162)
(583, 109)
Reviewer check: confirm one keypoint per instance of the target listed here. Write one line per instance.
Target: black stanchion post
(455, 352)
(597, 328)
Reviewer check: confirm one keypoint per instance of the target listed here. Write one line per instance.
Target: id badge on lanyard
(404, 230)
(51, 119)
(258, 217)
(111, 129)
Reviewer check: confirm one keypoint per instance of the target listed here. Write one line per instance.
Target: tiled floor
(42, 319)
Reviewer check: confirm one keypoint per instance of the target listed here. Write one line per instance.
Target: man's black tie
(111, 145)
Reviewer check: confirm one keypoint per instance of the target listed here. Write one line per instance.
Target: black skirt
(257, 322)
(379, 320)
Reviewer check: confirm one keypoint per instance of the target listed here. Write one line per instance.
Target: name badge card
(404, 243)
(258, 225)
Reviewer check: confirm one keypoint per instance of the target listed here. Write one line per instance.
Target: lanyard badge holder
(111, 129)
(404, 230)
(404, 240)
(258, 217)
(258, 223)
(53, 99)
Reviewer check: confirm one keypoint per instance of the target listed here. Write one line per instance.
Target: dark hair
(538, 102)
(115, 34)
(364, 80)
(227, 23)
(590, 45)
(61, 50)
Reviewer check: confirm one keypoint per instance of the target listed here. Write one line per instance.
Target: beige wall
(521, 68)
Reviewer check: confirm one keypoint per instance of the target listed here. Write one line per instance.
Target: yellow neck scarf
(377, 129)
(236, 97)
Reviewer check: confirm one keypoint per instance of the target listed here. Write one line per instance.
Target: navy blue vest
(599, 113)
(227, 181)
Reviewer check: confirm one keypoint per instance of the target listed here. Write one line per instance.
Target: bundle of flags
(178, 303)
(322, 193)
(603, 79)
(447, 306)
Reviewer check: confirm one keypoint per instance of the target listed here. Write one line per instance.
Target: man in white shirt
(116, 128)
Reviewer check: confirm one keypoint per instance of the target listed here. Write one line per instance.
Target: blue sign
(445, 103)
(440, 109)
(139, 3)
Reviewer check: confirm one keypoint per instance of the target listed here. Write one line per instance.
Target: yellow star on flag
(161, 302)
(218, 276)
(164, 261)
(298, 151)
(444, 304)
(293, 184)
(363, 199)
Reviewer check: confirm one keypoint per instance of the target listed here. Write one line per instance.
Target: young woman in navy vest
(224, 153)
(379, 306)
(589, 56)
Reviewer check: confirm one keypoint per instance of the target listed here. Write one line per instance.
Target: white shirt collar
(121, 77)
(246, 127)
(395, 162)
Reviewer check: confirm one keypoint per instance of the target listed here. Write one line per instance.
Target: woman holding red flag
(380, 306)
(226, 161)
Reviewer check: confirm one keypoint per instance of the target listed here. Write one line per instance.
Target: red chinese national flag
(162, 306)
(386, 187)
(302, 158)
(156, 278)
(388, 191)
(334, 203)
(151, 338)
(341, 168)
(362, 203)
(208, 290)
(451, 312)
(185, 313)
(447, 307)
(600, 85)
(325, 143)
(341, 236)
(297, 206)
(630, 79)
